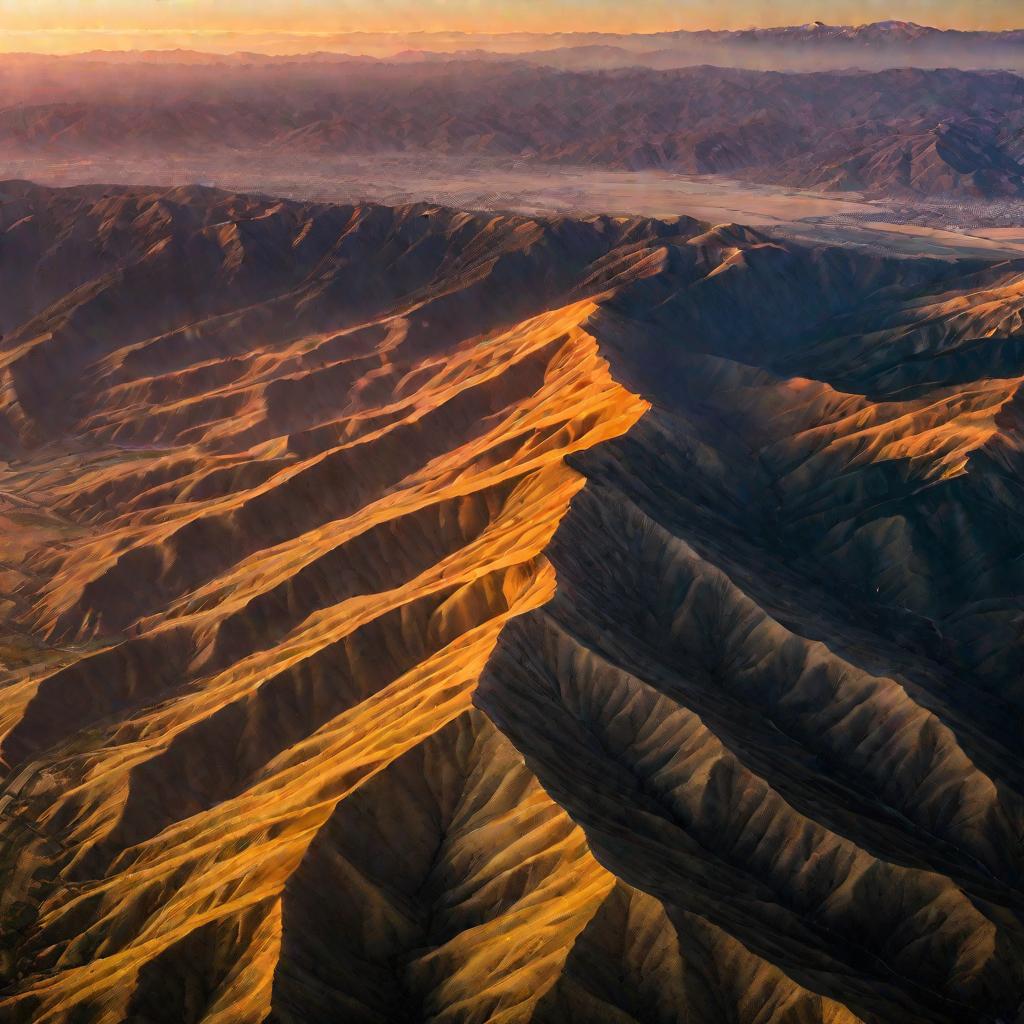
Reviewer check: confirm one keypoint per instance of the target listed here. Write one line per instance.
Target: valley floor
(912, 227)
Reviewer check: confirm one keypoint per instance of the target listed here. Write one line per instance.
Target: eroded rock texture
(411, 615)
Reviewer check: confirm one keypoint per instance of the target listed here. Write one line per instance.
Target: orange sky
(295, 25)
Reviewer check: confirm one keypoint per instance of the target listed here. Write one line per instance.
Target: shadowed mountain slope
(411, 615)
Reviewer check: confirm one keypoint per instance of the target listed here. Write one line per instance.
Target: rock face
(413, 615)
(900, 132)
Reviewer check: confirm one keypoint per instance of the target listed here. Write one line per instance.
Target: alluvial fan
(414, 615)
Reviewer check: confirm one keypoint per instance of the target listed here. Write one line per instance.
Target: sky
(291, 25)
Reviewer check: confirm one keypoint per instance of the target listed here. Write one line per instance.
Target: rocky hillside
(411, 615)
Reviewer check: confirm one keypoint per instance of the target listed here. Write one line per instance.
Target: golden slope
(457, 618)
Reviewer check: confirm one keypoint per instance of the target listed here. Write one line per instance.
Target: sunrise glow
(52, 26)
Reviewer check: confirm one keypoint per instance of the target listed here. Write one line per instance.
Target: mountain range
(812, 46)
(412, 614)
(903, 132)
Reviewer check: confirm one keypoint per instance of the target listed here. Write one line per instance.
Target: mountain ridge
(432, 615)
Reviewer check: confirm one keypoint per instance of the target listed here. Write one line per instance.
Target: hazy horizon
(272, 28)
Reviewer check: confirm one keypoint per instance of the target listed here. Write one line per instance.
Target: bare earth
(412, 615)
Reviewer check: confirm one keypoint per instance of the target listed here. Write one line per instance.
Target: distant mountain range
(900, 132)
(813, 46)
